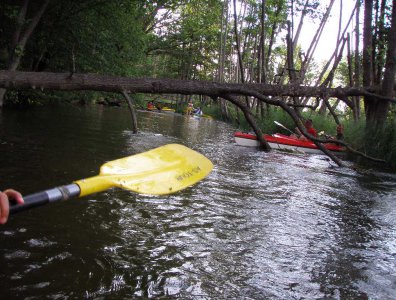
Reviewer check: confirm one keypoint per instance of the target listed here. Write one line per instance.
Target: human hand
(5, 197)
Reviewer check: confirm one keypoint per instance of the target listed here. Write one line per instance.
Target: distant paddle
(160, 171)
(284, 127)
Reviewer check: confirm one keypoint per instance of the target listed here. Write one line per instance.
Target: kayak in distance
(167, 109)
(162, 110)
(284, 142)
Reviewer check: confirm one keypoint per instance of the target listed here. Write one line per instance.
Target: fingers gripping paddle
(160, 171)
(284, 127)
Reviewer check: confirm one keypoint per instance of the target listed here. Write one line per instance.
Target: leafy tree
(101, 36)
(188, 48)
(93, 36)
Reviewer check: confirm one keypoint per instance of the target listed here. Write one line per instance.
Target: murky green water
(262, 225)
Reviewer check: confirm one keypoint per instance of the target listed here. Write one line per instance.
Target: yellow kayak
(167, 109)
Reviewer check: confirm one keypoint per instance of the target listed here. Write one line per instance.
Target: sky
(328, 39)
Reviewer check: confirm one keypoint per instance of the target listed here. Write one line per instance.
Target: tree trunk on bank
(261, 72)
(272, 39)
(223, 41)
(314, 42)
(356, 99)
(369, 102)
(377, 110)
(300, 25)
(390, 70)
(380, 56)
(222, 56)
(238, 48)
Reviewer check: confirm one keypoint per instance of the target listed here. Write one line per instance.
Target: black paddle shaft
(41, 198)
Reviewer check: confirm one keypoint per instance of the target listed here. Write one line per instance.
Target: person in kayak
(190, 107)
(198, 111)
(340, 132)
(5, 197)
(310, 129)
(150, 105)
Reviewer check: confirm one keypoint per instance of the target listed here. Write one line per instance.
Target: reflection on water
(262, 225)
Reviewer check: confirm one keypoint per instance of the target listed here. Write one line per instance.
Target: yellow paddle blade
(162, 170)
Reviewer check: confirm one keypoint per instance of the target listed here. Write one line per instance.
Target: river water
(260, 226)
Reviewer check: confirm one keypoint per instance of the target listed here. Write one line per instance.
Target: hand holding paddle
(5, 198)
(160, 171)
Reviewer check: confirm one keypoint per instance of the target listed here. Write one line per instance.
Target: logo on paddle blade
(188, 174)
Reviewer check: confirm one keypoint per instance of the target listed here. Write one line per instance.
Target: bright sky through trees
(328, 40)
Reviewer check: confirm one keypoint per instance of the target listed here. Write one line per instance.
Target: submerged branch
(250, 119)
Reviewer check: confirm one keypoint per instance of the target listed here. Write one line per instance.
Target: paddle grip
(41, 198)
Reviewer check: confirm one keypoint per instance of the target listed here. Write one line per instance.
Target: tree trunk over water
(95, 82)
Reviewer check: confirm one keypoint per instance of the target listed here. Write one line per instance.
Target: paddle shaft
(281, 125)
(41, 198)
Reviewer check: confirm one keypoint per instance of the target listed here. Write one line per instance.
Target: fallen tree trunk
(106, 83)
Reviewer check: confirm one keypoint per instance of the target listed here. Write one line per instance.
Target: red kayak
(284, 142)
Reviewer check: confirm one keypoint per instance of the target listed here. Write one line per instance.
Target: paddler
(309, 128)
